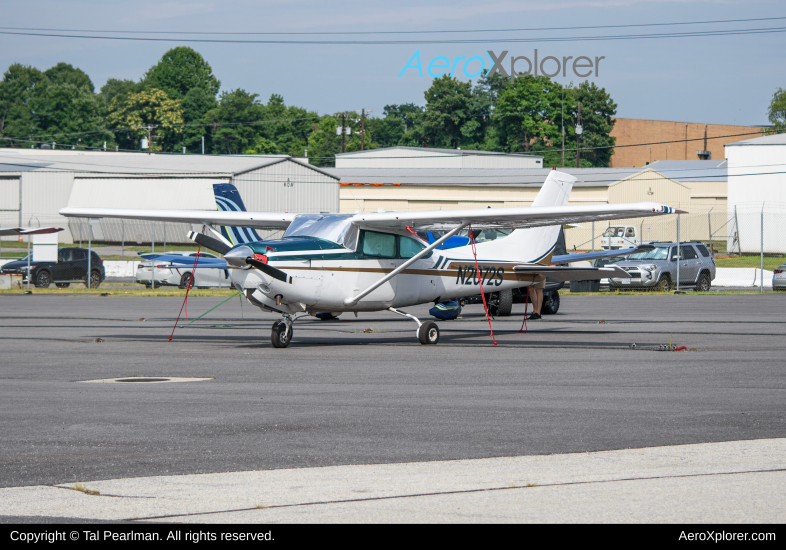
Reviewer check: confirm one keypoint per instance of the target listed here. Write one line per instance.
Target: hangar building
(35, 184)
(757, 193)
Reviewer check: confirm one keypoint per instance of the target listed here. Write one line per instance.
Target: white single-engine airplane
(371, 262)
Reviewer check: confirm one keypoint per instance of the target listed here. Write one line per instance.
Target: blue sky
(726, 79)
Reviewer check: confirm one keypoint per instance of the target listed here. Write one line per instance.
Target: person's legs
(538, 300)
(536, 297)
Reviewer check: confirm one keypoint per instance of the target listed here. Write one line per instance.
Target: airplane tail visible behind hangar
(228, 200)
(536, 244)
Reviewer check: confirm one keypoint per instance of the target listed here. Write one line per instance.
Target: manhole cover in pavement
(146, 379)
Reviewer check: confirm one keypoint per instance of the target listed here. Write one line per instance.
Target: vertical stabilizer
(556, 190)
(228, 200)
(536, 244)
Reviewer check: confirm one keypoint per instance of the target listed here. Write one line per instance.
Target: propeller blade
(209, 242)
(269, 270)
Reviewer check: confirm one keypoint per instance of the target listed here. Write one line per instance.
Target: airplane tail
(537, 244)
(228, 200)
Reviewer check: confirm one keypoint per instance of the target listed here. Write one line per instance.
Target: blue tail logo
(228, 200)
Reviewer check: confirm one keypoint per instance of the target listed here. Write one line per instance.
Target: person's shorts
(541, 283)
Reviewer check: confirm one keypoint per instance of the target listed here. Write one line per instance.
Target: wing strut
(355, 299)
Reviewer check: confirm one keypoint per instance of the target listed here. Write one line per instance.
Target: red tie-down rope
(524, 322)
(480, 280)
(188, 288)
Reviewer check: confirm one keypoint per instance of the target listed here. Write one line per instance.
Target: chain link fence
(740, 231)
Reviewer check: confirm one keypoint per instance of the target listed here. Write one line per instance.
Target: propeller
(242, 256)
(209, 242)
(269, 270)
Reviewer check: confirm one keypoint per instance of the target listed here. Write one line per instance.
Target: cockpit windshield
(337, 228)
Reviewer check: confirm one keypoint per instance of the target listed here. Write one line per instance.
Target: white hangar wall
(757, 195)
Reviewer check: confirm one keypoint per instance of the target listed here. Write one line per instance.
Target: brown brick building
(630, 131)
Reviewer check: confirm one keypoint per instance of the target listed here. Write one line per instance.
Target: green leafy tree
(119, 89)
(288, 127)
(71, 114)
(19, 86)
(64, 73)
(777, 111)
(528, 113)
(180, 70)
(196, 104)
(237, 110)
(597, 112)
(447, 120)
(147, 108)
(389, 130)
(323, 143)
(262, 146)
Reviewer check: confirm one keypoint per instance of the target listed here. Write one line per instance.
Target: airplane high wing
(587, 256)
(480, 218)
(262, 220)
(513, 218)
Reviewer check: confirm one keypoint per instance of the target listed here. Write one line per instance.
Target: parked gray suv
(657, 268)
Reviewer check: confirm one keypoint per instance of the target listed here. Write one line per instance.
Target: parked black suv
(71, 266)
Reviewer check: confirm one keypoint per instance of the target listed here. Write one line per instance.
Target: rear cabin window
(379, 245)
(690, 253)
(79, 254)
(64, 255)
(409, 247)
(703, 250)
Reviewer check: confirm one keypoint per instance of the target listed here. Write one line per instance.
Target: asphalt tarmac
(364, 391)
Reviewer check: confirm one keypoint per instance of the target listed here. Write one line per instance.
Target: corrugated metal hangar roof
(109, 162)
(507, 177)
(452, 152)
(692, 170)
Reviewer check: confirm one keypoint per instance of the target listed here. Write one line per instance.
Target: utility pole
(343, 133)
(578, 137)
(203, 145)
(362, 129)
(563, 132)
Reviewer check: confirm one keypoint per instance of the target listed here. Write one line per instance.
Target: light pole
(579, 131)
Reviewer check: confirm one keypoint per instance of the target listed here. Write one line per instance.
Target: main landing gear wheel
(428, 333)
(280, 335)
(501, 303)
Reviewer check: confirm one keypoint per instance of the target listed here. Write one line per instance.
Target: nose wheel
(281, 334)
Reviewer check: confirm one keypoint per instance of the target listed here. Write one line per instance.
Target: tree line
(179, 99)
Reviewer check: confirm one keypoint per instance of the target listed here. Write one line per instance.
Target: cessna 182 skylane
(372, 262)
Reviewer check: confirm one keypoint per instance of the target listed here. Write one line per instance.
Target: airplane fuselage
(322, 279)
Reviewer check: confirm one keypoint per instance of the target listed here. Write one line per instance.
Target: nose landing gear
(281, 333)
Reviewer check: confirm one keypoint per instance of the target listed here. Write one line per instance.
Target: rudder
(228, 199)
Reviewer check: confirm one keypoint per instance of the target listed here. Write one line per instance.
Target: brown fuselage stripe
(507, 276)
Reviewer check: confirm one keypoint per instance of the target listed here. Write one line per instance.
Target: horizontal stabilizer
(209, 242)
(560, 273)
(587, 256)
